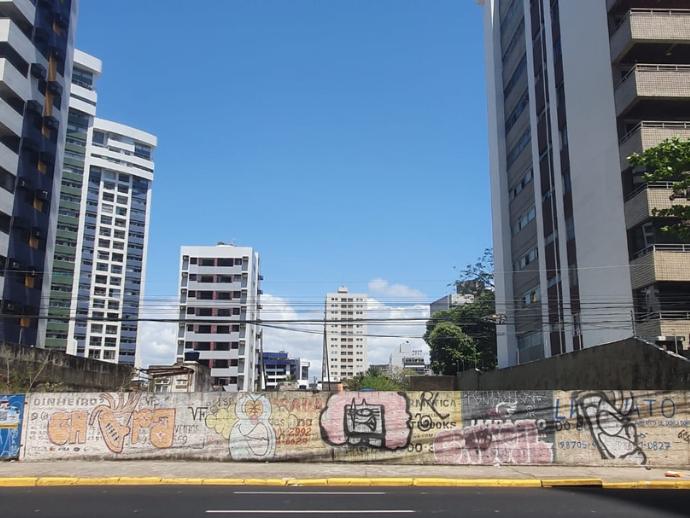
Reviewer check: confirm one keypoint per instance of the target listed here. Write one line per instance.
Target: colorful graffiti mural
(506, 427)
(11, 412)
(247, 427)
(373, 419)
(589, 428)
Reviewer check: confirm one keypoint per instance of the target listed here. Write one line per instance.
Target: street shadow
(659, 502)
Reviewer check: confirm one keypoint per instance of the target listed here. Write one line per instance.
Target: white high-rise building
(219, 307)
(345, 350)
(112, 243)
(99, 264)
(574, 88)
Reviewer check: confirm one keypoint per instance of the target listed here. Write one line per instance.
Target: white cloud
(397, 332)
(310, 346)
(380, 286)
(158, 340)
(298, 344)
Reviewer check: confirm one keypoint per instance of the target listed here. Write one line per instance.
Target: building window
(518, 147)
(527, 259)
(98, 137)
(524, 182)
(531, 296)
(524, 220)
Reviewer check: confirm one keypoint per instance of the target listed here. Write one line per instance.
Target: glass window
(99, 137)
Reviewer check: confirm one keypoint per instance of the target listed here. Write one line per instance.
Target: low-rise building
(179, 377)
(450, 301)
(279, 369)
(406, 358)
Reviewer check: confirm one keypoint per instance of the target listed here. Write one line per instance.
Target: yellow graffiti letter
(67, 427)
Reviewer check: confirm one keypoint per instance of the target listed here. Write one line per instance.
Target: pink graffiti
(390, 408)
(493, 443)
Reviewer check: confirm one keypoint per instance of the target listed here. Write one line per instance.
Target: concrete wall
(41, 369)
(587, 427)
(625, 365)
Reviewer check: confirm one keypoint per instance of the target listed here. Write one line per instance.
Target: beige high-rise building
(345, 348)
(574, 88)
(219, 309)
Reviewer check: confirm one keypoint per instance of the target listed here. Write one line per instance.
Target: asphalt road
(228, 501)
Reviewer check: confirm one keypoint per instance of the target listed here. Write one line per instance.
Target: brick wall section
(663, 83)
(660, 265)
(641, 206)
(657, 327)
(647, 137)
(642, 271)
(661, 26)
(672, 266)
(659, 84)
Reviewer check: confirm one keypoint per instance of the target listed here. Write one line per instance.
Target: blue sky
(344, 140)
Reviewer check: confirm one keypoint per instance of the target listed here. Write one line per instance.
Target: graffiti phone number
(296, 436)
(657, 445)
(572, 445)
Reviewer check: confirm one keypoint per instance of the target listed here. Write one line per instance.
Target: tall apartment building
(102, 230)
(345, 349)
(219, 306)
(36, 44)
(82, 111)
(112, 243)
(574, 88)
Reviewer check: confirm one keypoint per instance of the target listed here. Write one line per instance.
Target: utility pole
(325, 348)
(632, 320)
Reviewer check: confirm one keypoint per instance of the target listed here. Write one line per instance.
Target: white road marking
(311, 511)
(310, 492)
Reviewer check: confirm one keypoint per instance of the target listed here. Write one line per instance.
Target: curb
(340, 482)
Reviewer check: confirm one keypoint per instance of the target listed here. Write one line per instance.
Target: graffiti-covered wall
(11, 411)
(472, 428)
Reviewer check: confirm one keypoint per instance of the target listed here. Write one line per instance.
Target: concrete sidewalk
(303, 471)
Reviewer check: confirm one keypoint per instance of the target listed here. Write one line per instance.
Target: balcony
(214, 270)
(20, 43)
(663, 84)
(225, 372)
(191, 336)
(665, 326)
(22, 12)
(662, 26)
(660, 263)
(12, 82)
(648, 134)
(214, 286)
(640, 204)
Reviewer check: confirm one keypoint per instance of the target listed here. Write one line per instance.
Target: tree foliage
(451, 349)
(669, 162)
(477, 320)
(477, 277)
(374, 379)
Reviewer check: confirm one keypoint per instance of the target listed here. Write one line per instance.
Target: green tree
(669, 162)
(451, 349)
(477, 319)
